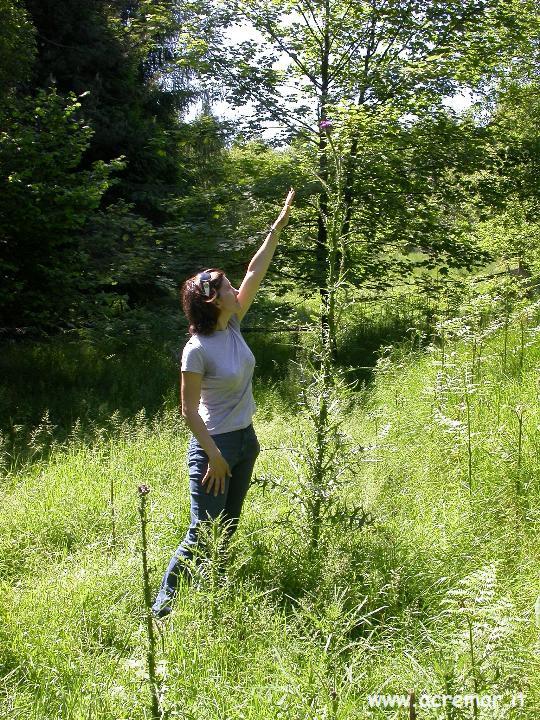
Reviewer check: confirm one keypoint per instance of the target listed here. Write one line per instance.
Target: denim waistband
(230, 433)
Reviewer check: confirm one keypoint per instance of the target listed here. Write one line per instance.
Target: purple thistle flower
(325, 124)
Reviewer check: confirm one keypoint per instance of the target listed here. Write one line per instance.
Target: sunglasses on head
(203, 281)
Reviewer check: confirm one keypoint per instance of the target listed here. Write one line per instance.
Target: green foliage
(404, 54)
(323, 459)
(128, 261)
(409, 212)
(190, 194)
(17, 47)
(78, 245)
(485, 647)
(507, 184)
(406, 161)
(45, 204)
(513, 235)
(117, 54)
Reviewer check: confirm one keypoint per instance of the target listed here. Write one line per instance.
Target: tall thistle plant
(328, 458)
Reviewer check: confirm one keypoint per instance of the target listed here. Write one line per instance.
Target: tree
(116, 54)
(17, 47)
(44, 203)
(383, 63)
(507, 187)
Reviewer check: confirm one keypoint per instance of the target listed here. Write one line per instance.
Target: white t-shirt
(226, 364)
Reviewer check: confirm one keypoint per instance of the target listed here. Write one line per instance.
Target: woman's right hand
(283, 218)
(218, 469)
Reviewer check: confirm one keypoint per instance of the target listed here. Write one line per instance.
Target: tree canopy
(110, 197)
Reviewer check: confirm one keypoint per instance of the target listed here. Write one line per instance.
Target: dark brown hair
(201, 311)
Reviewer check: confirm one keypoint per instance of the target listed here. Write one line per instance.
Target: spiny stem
(412, 705)
(505, 334)
(113, 514)
(519, 413)
(469, 438)
(151, 655)
(473, 666)
(522, 324)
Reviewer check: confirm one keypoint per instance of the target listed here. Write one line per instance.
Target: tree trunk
(321, 253)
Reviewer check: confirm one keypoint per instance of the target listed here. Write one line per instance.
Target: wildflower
(325, 125)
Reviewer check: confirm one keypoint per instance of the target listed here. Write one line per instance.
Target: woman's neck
(223, 320)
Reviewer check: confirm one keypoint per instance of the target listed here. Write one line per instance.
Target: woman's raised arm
(261, 260)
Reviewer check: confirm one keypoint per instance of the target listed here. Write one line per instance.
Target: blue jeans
(240, 449)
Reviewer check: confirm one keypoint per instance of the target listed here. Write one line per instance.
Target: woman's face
(227, 297)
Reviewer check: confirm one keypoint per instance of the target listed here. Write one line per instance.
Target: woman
(217, 400)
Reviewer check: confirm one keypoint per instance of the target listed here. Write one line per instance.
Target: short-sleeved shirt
(226, 364)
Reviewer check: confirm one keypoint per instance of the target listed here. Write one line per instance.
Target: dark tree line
(108, 198)
(92, 158)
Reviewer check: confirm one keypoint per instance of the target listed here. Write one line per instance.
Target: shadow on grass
(53, 384)
(127, 366)
(361, 342)
(371, 569)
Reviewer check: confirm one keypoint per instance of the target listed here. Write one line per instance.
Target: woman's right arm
(218, 467)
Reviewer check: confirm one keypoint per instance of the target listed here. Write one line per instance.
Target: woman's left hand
(283, 218)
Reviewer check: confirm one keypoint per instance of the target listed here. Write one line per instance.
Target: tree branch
(317, 38)
(251, 93)
(310, 8)
(294, 57)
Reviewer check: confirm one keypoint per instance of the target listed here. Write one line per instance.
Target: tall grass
(436, 595)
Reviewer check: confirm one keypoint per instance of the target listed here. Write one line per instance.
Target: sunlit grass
(378, 611)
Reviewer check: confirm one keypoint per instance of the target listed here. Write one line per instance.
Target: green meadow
(428, 586)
